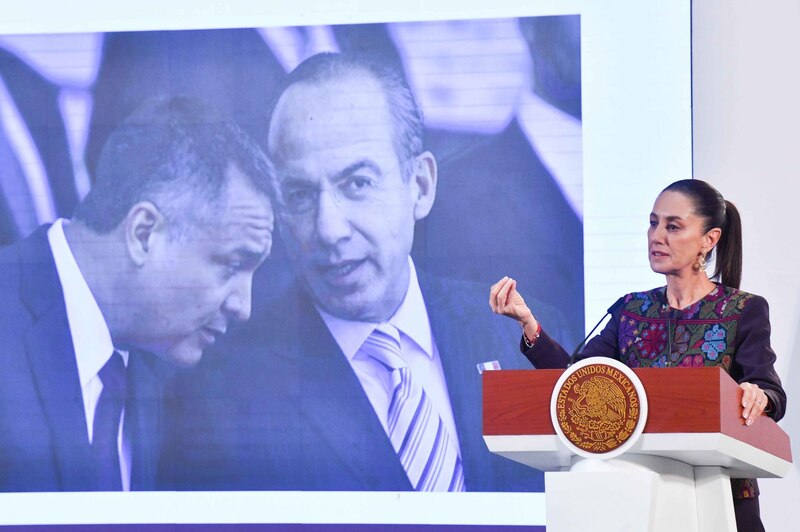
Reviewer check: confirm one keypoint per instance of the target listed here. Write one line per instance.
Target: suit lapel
(465, 337)
(51, 357)
(461, 376)
(341, 412)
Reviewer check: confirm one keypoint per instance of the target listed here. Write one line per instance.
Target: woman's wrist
(531, 329)
(528, 321)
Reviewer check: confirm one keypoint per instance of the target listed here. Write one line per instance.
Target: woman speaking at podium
(690, 322)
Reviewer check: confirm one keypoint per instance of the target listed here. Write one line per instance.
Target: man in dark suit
(325, 374)
(156, 262)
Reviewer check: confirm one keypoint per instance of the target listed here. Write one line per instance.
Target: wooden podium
(676, 475)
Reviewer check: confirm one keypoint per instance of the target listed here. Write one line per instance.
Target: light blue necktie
(420, 438)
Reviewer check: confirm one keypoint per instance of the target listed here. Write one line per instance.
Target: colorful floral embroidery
(702, 334)
(692, 361)
(715, 342)
(681, 339)
(644, 298)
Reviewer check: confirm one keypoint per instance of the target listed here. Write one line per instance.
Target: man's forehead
(246, 226)
(323, 113)
(337, 87)
(243, 202)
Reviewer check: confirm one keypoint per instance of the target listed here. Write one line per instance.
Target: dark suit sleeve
(754, 360)
(547, 353)
(605, 344)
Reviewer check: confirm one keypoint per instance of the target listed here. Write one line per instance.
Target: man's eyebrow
(247, 256)
(293, 180)
(253, 258)
(356, 166)
(346, 171)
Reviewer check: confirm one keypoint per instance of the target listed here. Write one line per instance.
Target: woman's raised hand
(504, 299)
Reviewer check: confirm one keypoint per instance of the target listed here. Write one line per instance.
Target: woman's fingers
(754, 401)
(498, 295)
(493, 293)
(504, 298)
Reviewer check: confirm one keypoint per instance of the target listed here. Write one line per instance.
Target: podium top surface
(694, 415)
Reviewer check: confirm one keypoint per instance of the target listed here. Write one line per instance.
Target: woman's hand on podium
(505, 300)
(754, 402)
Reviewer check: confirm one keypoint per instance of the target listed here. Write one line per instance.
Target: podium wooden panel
(694, 440)
(694, 416)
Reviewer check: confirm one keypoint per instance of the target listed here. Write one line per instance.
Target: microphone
(669, 337)
(672, 315)
(611, 310)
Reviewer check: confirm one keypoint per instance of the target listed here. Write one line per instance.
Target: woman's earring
(701, 262)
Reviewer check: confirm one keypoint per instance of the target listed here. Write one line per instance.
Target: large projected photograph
(260, 259)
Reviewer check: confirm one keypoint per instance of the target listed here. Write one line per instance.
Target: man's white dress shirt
(91, 338)
(418, 347)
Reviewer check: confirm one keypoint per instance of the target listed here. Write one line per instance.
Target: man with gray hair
(155, 264)
(369, 382)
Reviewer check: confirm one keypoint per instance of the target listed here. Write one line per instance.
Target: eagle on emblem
(600, 398)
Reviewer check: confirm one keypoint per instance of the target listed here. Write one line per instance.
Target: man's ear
(425, 175)
(144, 225)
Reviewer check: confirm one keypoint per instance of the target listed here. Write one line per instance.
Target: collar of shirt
(411, 318)
(91, 338)
(419, 351)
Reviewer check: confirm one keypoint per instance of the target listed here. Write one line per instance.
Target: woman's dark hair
(716, 211)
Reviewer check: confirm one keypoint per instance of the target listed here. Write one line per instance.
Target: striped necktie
(420, 438)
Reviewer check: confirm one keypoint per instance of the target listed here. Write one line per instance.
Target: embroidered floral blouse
(728, 328)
